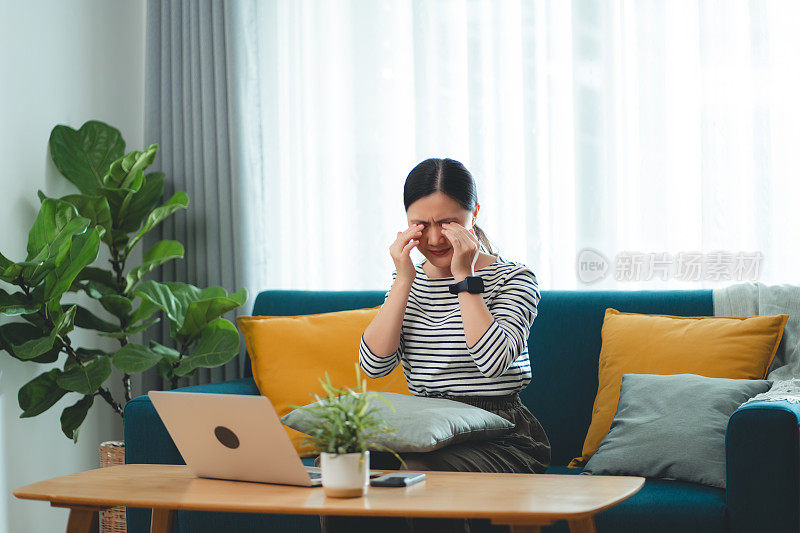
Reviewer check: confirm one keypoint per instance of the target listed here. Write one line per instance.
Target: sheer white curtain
(667, 128)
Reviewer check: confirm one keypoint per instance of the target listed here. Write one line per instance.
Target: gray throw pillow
(672, 427)
(422, 424)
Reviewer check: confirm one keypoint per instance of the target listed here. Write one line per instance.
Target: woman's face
(432, 211)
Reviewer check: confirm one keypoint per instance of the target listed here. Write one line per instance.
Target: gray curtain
(188, 113)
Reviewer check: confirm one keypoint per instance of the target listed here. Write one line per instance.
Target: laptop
(233, 436)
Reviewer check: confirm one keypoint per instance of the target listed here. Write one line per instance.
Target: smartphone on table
(397, 479)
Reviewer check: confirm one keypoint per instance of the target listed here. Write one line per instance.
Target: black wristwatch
(472, 284)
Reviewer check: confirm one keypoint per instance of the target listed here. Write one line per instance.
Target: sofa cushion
(420, 424)
(723, 347)
(565, 341)
(291, 354)
(672, 426)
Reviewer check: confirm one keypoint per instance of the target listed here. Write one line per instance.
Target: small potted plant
(343, 430)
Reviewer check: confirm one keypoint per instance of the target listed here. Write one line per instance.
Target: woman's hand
(466, 249)
(401, 252)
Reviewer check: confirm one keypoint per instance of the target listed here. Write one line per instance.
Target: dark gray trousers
(524, 450)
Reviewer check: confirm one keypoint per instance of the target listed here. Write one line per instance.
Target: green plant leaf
(35, 347)
(145, 309)
(40, 394)
(124, 172)
(88, 354)
(164, 369)
(38, 346)
(96, 209)
(171, 297)
(160, 253)
(87, 320)
(117, 305)
(95, 282)
(201, 312)
(82, 252)
(16, 304)
(167, 353)
(55, 224)
(133, 358)
(73, 416)
(218, 344)
(85, 155)
(86, 379)
(179, 200)
(132, 330)
(142, 203)
(16, 333)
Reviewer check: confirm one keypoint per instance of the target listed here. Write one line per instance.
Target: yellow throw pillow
(715, 347)
(290, 353)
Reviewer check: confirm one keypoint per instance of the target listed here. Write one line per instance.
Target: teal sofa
(762, 443)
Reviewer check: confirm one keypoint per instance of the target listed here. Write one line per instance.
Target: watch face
(474, 284)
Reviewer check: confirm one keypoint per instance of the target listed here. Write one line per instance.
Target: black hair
(450, 177)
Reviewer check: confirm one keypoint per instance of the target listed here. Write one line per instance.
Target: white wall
(60, 63)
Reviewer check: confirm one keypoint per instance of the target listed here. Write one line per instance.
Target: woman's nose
(435, 235)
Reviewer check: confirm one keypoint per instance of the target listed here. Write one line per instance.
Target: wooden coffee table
(524, 501)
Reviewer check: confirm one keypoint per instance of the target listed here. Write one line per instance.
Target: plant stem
(118, 264)
(174, 379)
(66, 343)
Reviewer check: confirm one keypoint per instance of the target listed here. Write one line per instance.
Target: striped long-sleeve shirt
(433, 350)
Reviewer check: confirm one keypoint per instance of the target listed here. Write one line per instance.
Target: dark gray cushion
(422, 424)
(672, 427)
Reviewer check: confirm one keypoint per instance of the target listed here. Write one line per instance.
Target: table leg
(582, 525)
(161, 521)
(83, 520)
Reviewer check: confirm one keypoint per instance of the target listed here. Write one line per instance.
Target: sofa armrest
(762, 449)
(146, 438)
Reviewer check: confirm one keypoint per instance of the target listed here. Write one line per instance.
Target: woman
(468, 347)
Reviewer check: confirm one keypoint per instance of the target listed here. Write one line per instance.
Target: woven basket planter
(112, 520)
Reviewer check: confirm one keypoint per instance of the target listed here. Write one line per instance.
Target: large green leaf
(87, 320)
(86, 379)
(145, 309)
(88, 354)
(174, 298)
(36, 346)
(133, 358)
(96, 282)
(132, 330)
(218, 344)
(16, 304)
(55, 224)
(170, 354)
(159, 254)
(96, 209)
(142, 203)
(16, 333)
(171, 297)
(201, 312)
(84, 156)
(179, 200)
(124, 172)
(73, 416)
(40, 394)
(117, 305)
(82, 252)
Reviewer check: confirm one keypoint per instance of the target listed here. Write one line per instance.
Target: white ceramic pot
(344, 475)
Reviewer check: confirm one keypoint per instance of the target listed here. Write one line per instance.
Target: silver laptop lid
(231, 436)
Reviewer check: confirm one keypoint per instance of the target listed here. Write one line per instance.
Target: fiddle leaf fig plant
(118, 203)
